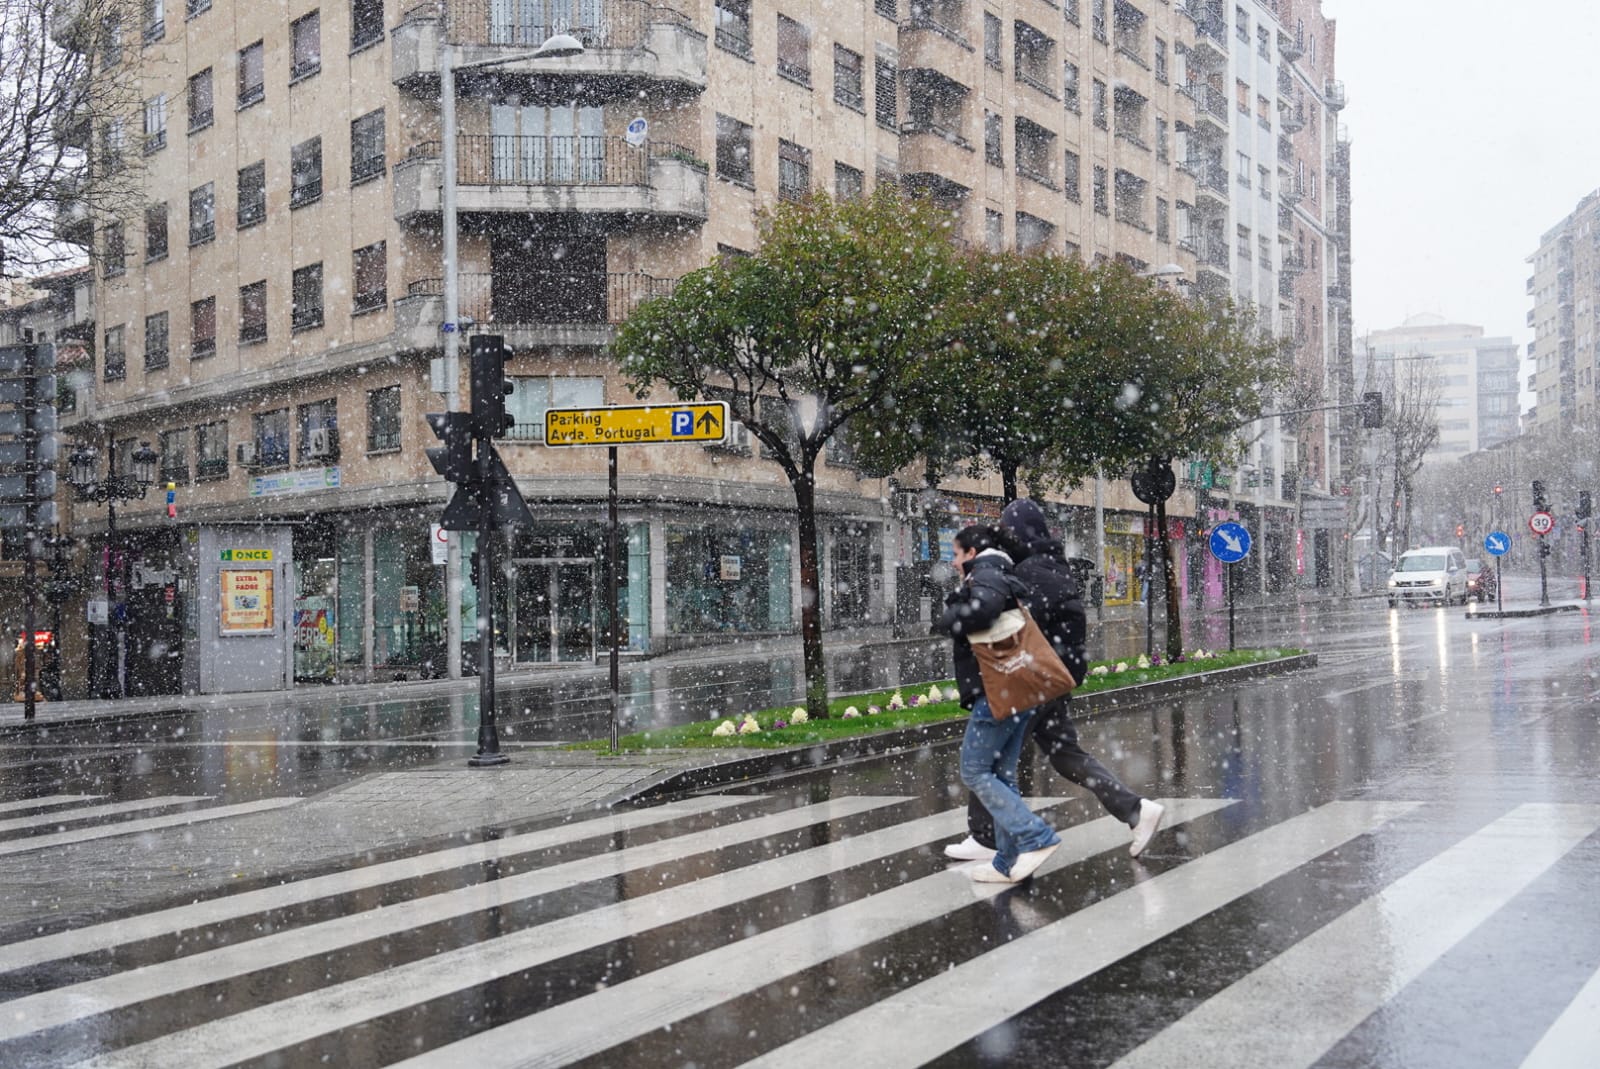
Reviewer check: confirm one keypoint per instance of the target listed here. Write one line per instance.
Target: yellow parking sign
(637, 424)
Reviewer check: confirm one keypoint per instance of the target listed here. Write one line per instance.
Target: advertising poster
(246, 601)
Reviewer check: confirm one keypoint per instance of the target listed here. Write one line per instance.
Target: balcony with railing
(72, 223)
(1292, 116)
(530, 174)
(627, 43)
(1291, 45)
(537, 310)
(1339, 291)
(1210, 105)
(1333, 94)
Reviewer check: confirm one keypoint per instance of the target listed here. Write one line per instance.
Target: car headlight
(1436, 582)
(1393, 582)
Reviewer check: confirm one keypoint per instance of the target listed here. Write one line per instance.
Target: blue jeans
(989, 754)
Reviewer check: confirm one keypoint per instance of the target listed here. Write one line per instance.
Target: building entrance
(551, 615)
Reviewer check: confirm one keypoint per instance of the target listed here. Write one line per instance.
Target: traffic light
(1461, 530)
(490, 387)
(1372, 409)
(1539, 503)
(453, 460)
(1585, 504)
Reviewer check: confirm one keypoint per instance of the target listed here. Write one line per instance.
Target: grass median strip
(918, 704)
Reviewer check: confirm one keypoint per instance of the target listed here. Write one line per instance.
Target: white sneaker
(969, 849)
(1150, 814)
(990, 874)
(1029, 862)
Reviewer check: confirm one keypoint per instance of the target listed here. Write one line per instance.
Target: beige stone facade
(276, 339)
(1565, 291)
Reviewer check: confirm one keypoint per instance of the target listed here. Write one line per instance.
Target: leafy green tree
(828, 316)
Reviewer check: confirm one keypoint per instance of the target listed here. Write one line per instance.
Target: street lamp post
(447, 376)
(131, 485)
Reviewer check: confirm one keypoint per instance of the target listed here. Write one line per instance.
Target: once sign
(637, 424)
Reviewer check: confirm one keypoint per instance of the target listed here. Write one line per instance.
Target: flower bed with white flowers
(906, 706)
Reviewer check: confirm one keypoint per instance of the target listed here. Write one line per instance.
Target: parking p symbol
(682, 423)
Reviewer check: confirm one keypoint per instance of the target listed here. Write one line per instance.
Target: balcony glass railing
(528, 160)
(543, 298)
(599, 24)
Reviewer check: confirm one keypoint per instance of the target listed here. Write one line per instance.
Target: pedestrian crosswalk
(30, 833)
(795, 932)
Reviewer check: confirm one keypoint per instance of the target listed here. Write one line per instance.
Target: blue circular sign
(1497, 543)
(1230, 542)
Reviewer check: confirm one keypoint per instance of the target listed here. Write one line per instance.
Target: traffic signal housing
(490, 387)
(1372, 409)
(1585, 505)
(1539, 502)
(453, 460)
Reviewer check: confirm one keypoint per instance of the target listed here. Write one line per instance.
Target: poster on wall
(246, 601)
(732, 568)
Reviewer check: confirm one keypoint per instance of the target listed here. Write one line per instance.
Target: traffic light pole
(611, 590)
(488, 732)
(30, 656)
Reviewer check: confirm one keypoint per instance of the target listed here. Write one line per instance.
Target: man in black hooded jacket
(1055, 601)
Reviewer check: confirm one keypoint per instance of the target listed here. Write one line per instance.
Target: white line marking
(229, 907)
(1339, 975)
(49, 799)
(111, 809)
(259, 1032)
(922, 1022)
(1572, 1039)
(132, 827)
(589, 1025)
(34, 1013)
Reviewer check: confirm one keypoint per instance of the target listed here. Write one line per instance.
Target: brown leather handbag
(1020, 668)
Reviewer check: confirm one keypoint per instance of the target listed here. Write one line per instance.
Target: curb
(797, 758)
(1517, 614)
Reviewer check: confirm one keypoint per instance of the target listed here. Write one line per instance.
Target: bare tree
(69, 101)
(1411, 389)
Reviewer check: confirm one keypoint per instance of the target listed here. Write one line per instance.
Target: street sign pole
(488, 733)
(611, 589)
(1227, 577)
(1149, 599)
(1230, 544)
(1499, 588)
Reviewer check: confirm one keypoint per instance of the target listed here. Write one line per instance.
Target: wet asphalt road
(1388, 861)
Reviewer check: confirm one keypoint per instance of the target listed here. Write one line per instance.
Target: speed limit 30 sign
(1541, 523)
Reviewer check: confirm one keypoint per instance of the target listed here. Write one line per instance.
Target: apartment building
(1565, 287)
(276, 351)
(1476, 377)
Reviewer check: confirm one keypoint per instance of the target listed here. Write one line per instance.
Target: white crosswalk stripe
(1328, 980)
(132, 827)
(94, 812)
(46, 800)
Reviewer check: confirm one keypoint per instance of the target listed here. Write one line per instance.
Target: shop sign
(410, 598)
(732, 568)
(246, 601)
(235, 555)
(303, 480)
(637, 424)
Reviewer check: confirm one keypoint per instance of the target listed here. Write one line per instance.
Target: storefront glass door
(552, 611)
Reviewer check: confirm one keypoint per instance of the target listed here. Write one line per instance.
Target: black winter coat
(989, 590)
(1055, 601)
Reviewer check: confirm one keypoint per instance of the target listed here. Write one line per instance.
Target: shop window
(728, 578)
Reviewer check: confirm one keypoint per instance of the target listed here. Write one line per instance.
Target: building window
(1070, 176)
(1161, 61)
(202, 214)
(1033, 233)
(732, 19)
(1162, 150)
(157, 341)
(1131, 198)
(371, 271)
(203, 328)
(1069, 85)
(794, 170)
(1130, 116)
(1102, 196)
(114, 246)
(794, 51)
(305, 41)
(1163, 220)
(994, 230)
(319, 432)
(175, 456)
(992, 29)
(1130, 32)
(886, 104)
(533, 397)
(305, 173)
(1097, 105)
(252, 75)
(1241, 24)
(253, 312)
(155, 20)
(211, 450)
(252, 194)
(848, 183)
(1242, 232)
(1264, 250)
(366, 23)
(272, 438)
(1034, 55)
(383, 419)
(734, 157)
(1264, 180)
(1263, 112)
(993, 139)
(116, 360)
(196, 7)
(199, 100)
(1097, 20)
(113, 145)
(155, 123)
(847, 88)
(889, 9)
(155, 232)
(1035, 151)
(306, 310)
(1241, 96)
(367, 153)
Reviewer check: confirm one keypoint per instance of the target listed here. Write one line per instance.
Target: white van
(1436, 574)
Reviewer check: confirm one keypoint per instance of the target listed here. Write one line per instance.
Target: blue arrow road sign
(1498, 543)
(1230, 542)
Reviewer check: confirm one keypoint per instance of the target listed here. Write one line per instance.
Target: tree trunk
(1008, 483)
(1174, 609)
(810, 599)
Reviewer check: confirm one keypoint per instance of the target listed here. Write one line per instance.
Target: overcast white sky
(1472, 133)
